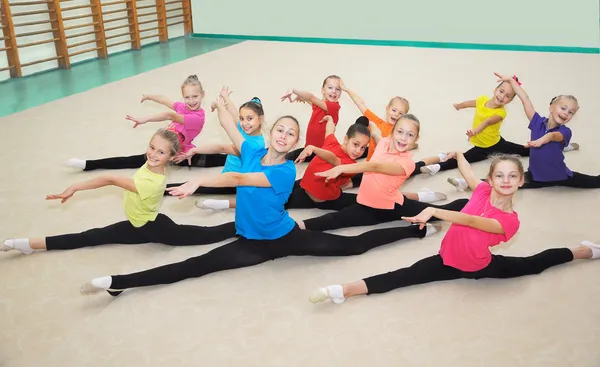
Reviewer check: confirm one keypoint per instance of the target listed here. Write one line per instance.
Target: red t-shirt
(315, 185)
(315, 132)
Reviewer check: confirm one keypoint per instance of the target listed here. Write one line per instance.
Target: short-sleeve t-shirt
(381, 191)
(466, 248)
(260, 213)
(233, 163)
(386, 130)
(547, 163)
(316, 185)
(193, 122)
(315, 132)
(491, 134)
(142, 206)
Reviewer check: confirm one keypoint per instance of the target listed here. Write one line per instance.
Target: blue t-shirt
(233, 163)
(547, 163)
(260, 212)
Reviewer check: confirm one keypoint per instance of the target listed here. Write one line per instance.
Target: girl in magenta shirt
(187, 120)
(485, 221)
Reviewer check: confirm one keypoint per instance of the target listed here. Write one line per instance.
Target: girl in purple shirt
(549, 137)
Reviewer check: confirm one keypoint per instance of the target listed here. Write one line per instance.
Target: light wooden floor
(260, 316)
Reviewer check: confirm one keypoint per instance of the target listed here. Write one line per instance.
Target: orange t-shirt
(381, 191)
(386, 130)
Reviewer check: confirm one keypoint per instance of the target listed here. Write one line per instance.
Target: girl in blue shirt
(264, 228)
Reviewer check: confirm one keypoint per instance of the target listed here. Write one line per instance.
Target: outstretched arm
(486, 123)
(95, 183)
(228, 179)
(355, 98)
(207, 149)
(159, 117)
(465, 104)
(386, 168)
(165, 101)
(306, 96)
(474, 221)
(549, 137)
(520, 92)
(464, 167)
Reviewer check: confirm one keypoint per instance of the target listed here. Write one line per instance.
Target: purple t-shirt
(547, 163)
(193, 122)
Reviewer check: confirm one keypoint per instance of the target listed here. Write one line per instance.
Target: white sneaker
(322, 294)
(594, 247)
(570, 147)
(460, 183)
(432, 169)
(429, 196)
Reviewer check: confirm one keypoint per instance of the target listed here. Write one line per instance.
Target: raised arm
(466, 171)
(230, 126)
(306, 96)
(231, 107)
(165, 101)
(465, 104)
(227, 179)
(474, 221)
(159, 117)
(355, 98)
(95, 183)
(520, 92)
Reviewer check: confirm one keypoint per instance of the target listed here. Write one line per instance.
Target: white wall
(47, 50)
(513, 22)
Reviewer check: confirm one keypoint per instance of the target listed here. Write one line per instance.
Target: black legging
(362, 215)
(161, 230)
(136, 161)
(299, 199)
(477, 154)
(432, 269)
(244, 252)
(578, 180)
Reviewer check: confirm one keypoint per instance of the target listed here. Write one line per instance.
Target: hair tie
(516, 80)
(256, 100)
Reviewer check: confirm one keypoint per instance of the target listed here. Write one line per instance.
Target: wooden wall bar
(62, 18)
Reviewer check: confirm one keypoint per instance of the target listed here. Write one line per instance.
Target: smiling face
(562, 110)
(159, 152)
(285, 134)
(331, 89)
(355, 145)
(503, 94)
(404, 134)
(397, 107)
(506, 176)
(250, 121)
(192, 96)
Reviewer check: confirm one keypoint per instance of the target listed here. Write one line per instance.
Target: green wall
(507, 22)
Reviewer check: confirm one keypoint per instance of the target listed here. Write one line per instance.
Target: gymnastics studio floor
(261, 316)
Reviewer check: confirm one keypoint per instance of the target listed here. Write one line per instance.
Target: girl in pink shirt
(484, 222)
(187, 120)
(379, 199)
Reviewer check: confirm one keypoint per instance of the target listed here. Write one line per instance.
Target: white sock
(428, 196)
(442, 156)
(432, 169)
(570, 147)
(460, 183)
(333, 292)
(213, 204)
(20, 244)
(592, 246)
(75, 163)
(96, 285)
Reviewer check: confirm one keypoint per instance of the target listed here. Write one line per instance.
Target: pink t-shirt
(467, 248)
(381, 191)
(193, 122)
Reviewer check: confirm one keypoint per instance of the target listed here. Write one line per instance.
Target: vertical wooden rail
(99, 28)
(58, 33)
(10, 42)
(163, 33)
(187, 17)
(134, 27)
